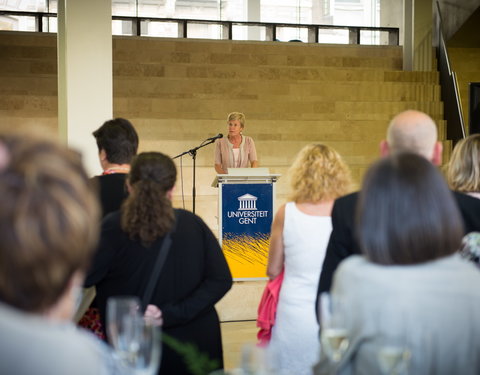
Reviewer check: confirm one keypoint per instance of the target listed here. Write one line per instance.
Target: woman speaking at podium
(236, 150)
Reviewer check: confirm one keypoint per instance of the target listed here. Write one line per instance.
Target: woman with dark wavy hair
(195, 275)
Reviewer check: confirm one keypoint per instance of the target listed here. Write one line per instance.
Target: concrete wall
(455, 13)
(468, 35)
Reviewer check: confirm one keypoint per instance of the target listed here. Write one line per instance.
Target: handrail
(227, 26)
(449, 87)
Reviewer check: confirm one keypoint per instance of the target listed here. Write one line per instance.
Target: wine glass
(393, 357)
(333, 331)
(136, 341)
(118, 310)
(253, 359)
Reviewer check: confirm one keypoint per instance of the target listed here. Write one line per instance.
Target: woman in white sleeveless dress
(300, 234)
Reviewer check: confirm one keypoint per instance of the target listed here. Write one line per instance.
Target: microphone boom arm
(193, 153)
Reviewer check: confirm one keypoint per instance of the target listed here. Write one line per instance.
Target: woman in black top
(195, 275)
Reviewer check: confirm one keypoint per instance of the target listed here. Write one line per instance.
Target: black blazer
(112, 191)
(343, 244)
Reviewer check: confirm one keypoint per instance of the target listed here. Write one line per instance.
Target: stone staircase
(178, 92)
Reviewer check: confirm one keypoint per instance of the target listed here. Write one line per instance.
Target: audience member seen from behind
(195, 275)
(117, 143)
(409, 131)
(300, 233)
(235, 150)
(411, 295)
(48, 227)
(463, 170)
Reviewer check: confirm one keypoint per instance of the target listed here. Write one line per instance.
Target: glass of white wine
(393, 357)
(333, 330)
(137, 342)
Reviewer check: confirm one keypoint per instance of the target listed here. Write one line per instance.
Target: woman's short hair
(317, 174)
(406, 214)
(463, 170)
(237, 116)
(49, 219)
(119, 139)
(147, 213)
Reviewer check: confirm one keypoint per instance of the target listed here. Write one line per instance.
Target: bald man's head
(414, 131)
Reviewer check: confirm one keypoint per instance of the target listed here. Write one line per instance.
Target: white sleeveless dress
(295, 345)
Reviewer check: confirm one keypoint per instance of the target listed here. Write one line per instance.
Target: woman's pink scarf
(267, 309)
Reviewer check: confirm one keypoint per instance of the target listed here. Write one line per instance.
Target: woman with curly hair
(195, 275)
(463, 170)
(299, 237)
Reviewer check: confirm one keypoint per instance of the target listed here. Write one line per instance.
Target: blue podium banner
(247, 212)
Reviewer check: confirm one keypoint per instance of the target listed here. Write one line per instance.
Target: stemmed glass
(333, 331)
(136, 341)
(393, 357)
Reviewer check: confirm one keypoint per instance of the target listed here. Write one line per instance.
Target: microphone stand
(193, 153)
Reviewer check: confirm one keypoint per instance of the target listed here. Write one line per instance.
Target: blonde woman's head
(236, 116)
(463, 170)
(318, 174)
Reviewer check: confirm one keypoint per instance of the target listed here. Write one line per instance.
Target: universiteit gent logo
(247, 202)
(247, 212)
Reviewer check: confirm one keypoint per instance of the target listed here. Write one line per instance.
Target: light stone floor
(234, 336)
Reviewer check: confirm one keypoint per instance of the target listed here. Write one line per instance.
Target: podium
(246, 199)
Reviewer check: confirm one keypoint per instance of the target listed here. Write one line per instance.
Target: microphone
(220, 135)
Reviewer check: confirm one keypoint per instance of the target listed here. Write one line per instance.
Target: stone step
(297, 107)
(281, 129)
(262, 60)
(286, 109)
(254, 53)
(44, 103)
(158, 46)
(29, 68)
(29, 85)
(124, 45)
(28, 39)
(270, 153)
(166, 88)
(163, 50)
(235, 71)
(42, 121)
(28, 53)
(239, 53)
(282, 90)
(48, 68)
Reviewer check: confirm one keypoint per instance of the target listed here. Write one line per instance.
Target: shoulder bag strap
(159, 263)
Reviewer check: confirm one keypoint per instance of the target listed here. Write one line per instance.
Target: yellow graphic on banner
(247, 255)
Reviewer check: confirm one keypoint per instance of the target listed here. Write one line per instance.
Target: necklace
(235, 142)
(116, 170)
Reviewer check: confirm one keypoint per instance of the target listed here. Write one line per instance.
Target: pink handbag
(267, 309)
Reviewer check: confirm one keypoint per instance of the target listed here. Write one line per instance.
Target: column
(85, 93)
(253, 15)
(408, 22)
(390, 11)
